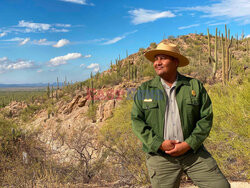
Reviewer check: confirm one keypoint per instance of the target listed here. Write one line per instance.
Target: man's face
(165, 64)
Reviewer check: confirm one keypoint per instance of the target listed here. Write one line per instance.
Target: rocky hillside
(68, 125)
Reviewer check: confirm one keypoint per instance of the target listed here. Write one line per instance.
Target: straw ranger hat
(167, 49)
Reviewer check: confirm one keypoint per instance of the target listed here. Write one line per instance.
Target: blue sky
(41, 40)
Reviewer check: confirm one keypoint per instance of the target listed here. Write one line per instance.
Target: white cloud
(34, 26)
(3, 59)
(43, 42)
(94, 66)
(218, 23)
(140, 16)
(60, 60)
(61, 43)
(8, 65)
(63, 25)
(25, 41)
(114, 40)
(3, 34)
(248, 36)
(15, 39)
(92, 41)
(81, 2)
(88, 56)
(82, 65)
(20, 65)
(238, 10)
(59, 30)
(188, 26)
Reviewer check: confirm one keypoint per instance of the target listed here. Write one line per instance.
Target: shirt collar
(173, 85)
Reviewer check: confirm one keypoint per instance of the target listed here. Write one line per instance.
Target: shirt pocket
(192, 101)
(151, 110)
(149, 105)
(192, 106)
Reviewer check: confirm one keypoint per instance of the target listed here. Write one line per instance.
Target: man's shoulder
(149, 82)
(191, 80)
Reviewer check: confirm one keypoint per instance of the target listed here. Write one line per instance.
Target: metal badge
(193, 93)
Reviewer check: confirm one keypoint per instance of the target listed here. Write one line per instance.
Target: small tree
(81, 141)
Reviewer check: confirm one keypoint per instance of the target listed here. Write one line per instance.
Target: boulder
(72, 105)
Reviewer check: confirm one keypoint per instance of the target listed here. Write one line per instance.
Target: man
(172, 116)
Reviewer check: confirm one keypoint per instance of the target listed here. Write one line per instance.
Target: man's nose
(158, 61)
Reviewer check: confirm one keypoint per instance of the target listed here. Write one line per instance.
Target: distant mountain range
(28, 85)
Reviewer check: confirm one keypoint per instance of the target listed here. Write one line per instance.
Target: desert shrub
(187, 69)
(153, 45)
(123, 147)
(26, 162)
(66, 98)
(229, 138)
(171, 37)
(148, 69)
(27, 113)
(108, 79)
(91, 113)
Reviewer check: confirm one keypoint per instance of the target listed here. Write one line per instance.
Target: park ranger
(172, 116)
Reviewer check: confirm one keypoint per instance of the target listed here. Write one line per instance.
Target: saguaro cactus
(228, 44)
(52, 91)
(57, 83)
(48, 91)
(237, 42)
(111, 66)
(215, 53)
(92, 89)
(223, 60)
(129, 71)
(135, 72)
(209, 47)
(118, 68)
(210, 58)
(242, 35)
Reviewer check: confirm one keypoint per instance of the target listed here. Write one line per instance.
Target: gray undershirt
(172, 128)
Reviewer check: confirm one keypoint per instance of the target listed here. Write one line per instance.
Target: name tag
(147, 100)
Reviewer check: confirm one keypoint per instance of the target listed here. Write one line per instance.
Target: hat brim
(150, 55)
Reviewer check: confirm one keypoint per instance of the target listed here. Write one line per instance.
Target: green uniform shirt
(148, 112)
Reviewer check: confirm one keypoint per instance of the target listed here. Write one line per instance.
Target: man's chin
(161, 73)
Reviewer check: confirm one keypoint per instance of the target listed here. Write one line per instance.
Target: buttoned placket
(175, 133)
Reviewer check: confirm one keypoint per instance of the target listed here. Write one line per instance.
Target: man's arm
(143, 131)
(204, 125)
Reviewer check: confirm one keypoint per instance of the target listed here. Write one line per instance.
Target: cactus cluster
(225, 44)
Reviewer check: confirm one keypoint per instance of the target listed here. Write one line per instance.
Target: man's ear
(177, 62)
